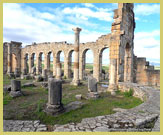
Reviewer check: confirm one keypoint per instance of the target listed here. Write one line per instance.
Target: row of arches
(46, 61)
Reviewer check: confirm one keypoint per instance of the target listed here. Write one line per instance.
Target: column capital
(76, 30)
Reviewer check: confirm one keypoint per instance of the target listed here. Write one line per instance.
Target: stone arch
(103, 73)
(128, 63)
(84, 74)
(33, 58)
(70, 70)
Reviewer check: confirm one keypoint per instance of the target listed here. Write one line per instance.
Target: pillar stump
(15, 88)
(54, 105)
(92, 88)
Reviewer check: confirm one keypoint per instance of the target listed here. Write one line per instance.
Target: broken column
(15, 88)
(76, 80)
(113, 74)
(59, 71)
(92, 87)
(54, 105)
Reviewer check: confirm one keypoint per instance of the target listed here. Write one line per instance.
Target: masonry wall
(146, 74)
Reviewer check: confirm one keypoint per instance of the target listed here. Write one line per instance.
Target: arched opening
(71, 64)
(40, 63)
(87, 63)
(14, 63)
(50, 62)
(60, 60)
(104, 62)
(127, 63)
(33, 60)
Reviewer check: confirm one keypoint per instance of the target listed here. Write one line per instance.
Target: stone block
(92, 84)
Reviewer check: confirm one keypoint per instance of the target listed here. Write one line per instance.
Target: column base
(113, 88)
(93, 95)
(54, 109)
(75, 82)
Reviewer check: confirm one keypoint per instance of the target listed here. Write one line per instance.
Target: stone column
(66, 66)
(76, 80)
(38, 65)
(54, 65)
(25, 66)
(54, 105)
(59, 70)
(81, 68)
(30, 64)
(15, 88)
(9, 70)
(113, 74)
(45, 61)
(96, 67)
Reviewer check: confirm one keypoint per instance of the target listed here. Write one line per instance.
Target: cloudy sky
(38, 22)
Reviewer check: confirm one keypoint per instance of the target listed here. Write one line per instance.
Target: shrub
(129, 93)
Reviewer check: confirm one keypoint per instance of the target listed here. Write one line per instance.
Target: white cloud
(88, 5)
(147, 44)
(147, 9)
(87, 12)
(27, 25)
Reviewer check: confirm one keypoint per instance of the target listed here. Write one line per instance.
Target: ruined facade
(124, 65)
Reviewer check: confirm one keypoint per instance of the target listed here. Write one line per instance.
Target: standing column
(76, 80)
(9, 70)
(113, 74)
(25, 66)
(96, 67)
(30, 64)
(66, 67)
(54, 65)
(59, 71)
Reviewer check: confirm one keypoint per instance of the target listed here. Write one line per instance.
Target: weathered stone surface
(54, 105)
(15, 85)
(39, 78)
(29, 84)
(73, 106)
(23, 126)
(7, 89)
(78, 97)
(129, 120)
(92, 84)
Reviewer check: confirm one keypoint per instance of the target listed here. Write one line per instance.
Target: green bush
(129, 93)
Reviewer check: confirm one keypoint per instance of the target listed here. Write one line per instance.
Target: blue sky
(53, 22)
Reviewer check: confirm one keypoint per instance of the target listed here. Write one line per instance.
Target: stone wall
(146, 74)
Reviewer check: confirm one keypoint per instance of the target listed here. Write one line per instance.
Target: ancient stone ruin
(124, 65)
(125, 71)
(54, 105)
(15, 88)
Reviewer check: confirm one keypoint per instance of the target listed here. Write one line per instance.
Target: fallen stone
(78, 97)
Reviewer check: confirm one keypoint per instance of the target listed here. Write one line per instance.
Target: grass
(31, 106)
(7, 80)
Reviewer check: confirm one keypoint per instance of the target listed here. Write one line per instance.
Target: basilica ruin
(127, 72)
(124, 65)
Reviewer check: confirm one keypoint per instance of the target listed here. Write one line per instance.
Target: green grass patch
(6, 99)
(129, 93)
